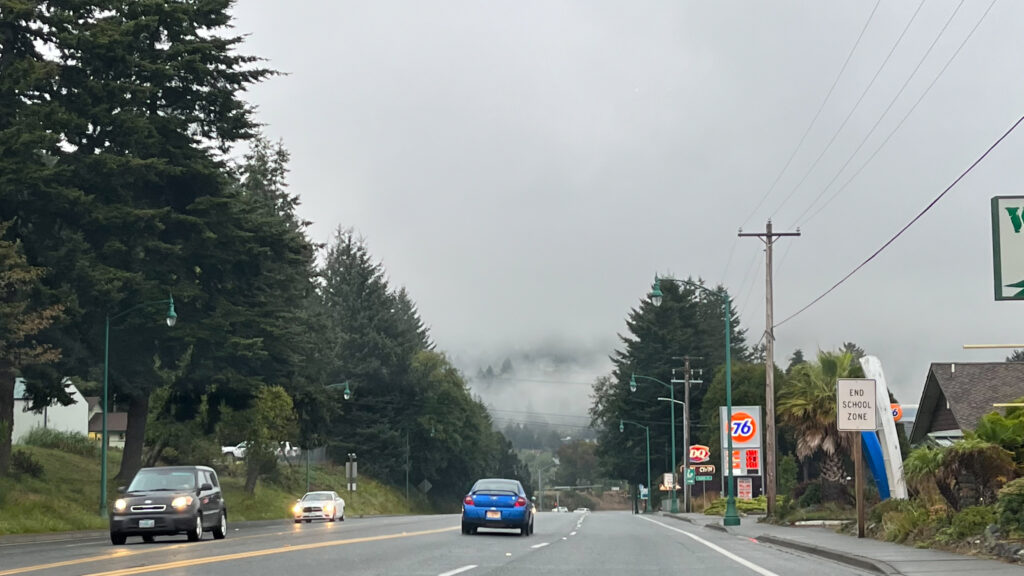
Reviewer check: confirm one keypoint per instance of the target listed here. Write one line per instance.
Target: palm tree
(807, 406)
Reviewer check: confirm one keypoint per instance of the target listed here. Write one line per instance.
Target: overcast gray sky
(524, 168)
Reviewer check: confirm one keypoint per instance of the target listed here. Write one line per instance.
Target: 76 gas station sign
(745, 429)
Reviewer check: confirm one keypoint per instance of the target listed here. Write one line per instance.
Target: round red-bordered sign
(744, 427)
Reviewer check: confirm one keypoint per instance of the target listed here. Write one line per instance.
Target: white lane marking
(564, 538)
(719, 549)
(465, 568)
(541, 545)
(572, 533)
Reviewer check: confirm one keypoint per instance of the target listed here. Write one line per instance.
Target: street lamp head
(622, 427)
(348, 392)
(632, 383)
(172, 316)
(656, 294)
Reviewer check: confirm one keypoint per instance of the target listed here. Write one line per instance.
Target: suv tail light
(520, 502)
(468, 500)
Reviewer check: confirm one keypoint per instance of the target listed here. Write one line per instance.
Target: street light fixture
(347, 395)
(172, 319)
(540, 482)
(672, 416)
(650, 490)
(732, 517)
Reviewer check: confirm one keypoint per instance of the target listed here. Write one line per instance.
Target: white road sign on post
(855, 405)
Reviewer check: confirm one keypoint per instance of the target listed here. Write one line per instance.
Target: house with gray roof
(956, 395)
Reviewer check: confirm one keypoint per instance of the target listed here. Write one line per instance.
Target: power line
(894, 130)
(856, 105)
(909, 224)
(828, 95)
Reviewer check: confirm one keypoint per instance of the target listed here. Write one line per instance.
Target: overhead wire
(894, 130)
(803, 138)
(856, 105)
(907, 226)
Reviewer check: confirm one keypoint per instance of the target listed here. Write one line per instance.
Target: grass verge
(66, 496)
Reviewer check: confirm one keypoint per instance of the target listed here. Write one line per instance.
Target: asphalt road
(601, 543)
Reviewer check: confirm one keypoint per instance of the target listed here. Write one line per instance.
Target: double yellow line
(216, 559)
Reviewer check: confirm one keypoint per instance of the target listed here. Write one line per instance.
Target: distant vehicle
(582, 510)
(497, 503)
(170, 500)
(319, 506)
(284, 449)
(559, 509)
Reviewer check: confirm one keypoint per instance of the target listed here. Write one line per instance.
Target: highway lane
(612, 543)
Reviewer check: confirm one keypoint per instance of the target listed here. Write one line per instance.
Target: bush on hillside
(24, 463)
(68, 442)
(1010, 506)
(968, 523)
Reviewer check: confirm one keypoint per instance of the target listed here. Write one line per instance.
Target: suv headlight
(181, 502)
(120, 505)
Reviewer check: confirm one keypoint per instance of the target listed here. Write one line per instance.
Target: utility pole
(769, 237)
(687, 380)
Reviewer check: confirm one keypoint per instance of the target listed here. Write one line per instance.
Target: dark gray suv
(170, 500)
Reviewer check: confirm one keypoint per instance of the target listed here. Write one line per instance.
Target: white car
(284, 449)
(319, 506)
(559, 509)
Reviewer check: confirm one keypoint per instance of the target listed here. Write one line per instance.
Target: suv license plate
(494, 515)
(147, 523)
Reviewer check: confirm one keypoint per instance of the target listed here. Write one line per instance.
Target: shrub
(906, 520)
(1010, 506)
(787, 474)
(969, 522)
(758, 505)
(811, 495)
(24, 463)
(68, 442)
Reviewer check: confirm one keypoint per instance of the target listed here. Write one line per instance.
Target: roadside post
(855, 412)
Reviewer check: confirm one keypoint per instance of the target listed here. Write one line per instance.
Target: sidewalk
(865, 554)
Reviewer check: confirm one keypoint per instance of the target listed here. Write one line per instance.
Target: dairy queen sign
(699, 453)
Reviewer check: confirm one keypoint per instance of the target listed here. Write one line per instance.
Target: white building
(71, 418)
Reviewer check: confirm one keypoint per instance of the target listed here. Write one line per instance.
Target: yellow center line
(122, 554)
(111, 556)
(264, 552)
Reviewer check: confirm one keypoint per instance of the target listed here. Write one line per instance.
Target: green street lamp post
(732, 517)
(540, 482)
(346, 395)
(622, 428)
(172, 318)
(672, 416)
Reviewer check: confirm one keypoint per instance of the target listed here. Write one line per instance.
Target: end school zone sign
(855, 405)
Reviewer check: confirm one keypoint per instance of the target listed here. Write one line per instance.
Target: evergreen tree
(688, 322)
(20, 323)
(149, 99)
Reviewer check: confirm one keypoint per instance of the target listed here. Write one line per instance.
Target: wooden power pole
(768, 237)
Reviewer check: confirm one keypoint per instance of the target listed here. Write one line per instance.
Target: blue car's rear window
(502, 485)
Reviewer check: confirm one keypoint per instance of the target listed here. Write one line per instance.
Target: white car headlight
(120, 505)
(181, 502)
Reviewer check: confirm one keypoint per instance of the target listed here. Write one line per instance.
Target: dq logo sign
(699, 453)
(744, 428)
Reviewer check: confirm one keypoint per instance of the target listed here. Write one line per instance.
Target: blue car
(497, 503)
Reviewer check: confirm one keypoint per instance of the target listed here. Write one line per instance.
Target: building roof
(970, 388)
(116, 422)
(93, 402)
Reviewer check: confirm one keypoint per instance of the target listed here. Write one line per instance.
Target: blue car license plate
(494, 515)
(147, 523)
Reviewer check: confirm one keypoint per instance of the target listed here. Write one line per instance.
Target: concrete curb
(869, 564)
